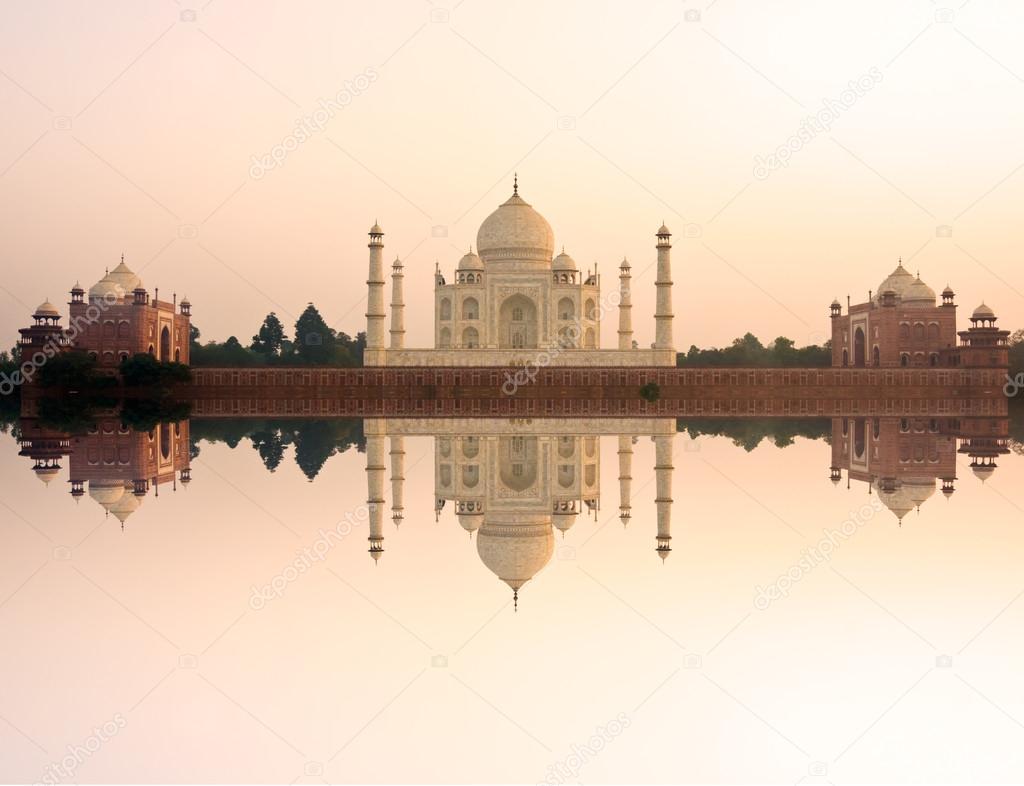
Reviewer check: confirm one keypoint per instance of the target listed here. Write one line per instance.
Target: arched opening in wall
(123, 329)
(165, 343)
(859, 437)
(470, 475)
(904, 359)
(934, 358)
(566, 447)
(590, 309)
(904, 330)
(875, 356)
(590, 339)
(859, 348)
(444, 340)
(177, 356)
(517, 462)
(589, 475)
(470, 338)
(566, 308)
(846, 358)
(165, 440)
(568, 336)
(517, 323)
(566, 475)
(470, 447)
(446, 308)
(919, 331)
(470, 308)
(933, 330)
(446, 475)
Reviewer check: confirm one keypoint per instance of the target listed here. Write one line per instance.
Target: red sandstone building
(115, 320)
(901, 325)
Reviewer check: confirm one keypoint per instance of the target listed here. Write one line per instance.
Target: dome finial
(515, 600)
(515, 184)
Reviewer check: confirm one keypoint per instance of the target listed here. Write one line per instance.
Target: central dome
(515, 233)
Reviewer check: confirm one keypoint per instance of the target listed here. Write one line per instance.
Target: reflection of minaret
(625, 308)
(397, 478)
(375, 492)
(625, 477)
(663, 501)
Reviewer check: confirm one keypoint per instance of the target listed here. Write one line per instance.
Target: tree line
(313, 343)
(749, 351)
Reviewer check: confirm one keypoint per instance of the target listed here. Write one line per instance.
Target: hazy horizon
(132, 128)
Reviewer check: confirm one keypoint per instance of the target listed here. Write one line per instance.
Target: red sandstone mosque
(115, 320)
(901, 325)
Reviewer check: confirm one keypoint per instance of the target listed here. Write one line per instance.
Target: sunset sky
(133, 127)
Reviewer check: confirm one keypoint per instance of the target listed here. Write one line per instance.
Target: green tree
(314, 341)
(270, 338)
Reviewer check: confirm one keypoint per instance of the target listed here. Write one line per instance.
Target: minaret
(374, 355)
(397, 478)
(625, 308)
(375, 492)
(663, 502)
(625, 477)
(663, 307)
(397, 306)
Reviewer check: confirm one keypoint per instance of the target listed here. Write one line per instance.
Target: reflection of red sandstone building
(901, 458)
(117, 465)
(116, 320)
(901, 325)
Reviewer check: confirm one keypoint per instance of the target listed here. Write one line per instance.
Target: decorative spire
(515, 600)
(515, 184)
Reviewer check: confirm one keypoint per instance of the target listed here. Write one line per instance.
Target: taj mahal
(514, 298)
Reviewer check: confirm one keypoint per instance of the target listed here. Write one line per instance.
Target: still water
(549, 600)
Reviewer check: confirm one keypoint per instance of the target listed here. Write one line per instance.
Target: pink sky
(131, 126)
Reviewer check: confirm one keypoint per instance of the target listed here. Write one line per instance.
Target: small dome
(664, 230)
(624, 265)
(983, 312)
(471, 521)
(47, 309)
(124, 278)
(106, 492)
(125, 506)
(563, 521)
(835, 302)
(375, 229)
(515, 232)
(983, 471)
(918, 294)
(77, 288)
(46, 474)
(896, 282)
(948, 291)
(471, 262)
(563, 262)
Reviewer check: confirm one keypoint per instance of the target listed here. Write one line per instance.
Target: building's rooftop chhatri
(513, 299)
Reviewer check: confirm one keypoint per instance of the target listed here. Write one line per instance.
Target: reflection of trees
(314, 441)
(748, 433)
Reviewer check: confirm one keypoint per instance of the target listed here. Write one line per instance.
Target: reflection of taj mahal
(514, 298)
(513, 483)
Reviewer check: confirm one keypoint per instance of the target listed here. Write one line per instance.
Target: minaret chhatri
(625, 308)
(375, 299)
(397, 478)
(625, 477)
(663, 500)
(397, 306)
(663, 306)
(375, 492)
